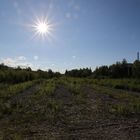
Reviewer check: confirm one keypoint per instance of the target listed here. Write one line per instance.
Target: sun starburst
(42, 27)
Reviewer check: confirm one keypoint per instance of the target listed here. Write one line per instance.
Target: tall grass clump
(16, 88)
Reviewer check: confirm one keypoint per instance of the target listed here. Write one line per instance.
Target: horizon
(64, 71)
(83, 33)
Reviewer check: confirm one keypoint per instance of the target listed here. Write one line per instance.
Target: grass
(74, 86)
(127, 104)
(125, 109)
(36, 107)
(12, 90)
(47, 87)
(110, 87)
(125, 84)
(43, 106)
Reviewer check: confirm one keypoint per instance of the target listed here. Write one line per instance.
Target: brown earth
(78, 117)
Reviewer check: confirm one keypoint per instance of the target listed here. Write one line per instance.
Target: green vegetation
(8, 92)
(47, 87)
(127, 104)
(74, 86)
(119, 70)
(125, 84)
(11, 90)
(126, 109)
(17, 75)
(36, 104)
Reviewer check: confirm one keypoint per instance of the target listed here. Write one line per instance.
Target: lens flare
(42, 27)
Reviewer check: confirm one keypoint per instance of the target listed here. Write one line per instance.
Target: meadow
(70, 108)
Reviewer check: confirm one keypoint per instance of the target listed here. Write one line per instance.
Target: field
(70, 108)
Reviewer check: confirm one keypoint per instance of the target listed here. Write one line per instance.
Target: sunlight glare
(42, 27)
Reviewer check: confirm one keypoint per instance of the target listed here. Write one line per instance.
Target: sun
(42, 27)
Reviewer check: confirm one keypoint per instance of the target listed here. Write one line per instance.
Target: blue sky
(86, 33)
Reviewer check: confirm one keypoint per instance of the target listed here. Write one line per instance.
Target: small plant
(16, 88)
(47, 87)
(125, 109)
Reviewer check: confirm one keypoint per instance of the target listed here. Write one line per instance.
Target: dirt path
(91, 120)
(25, 94)
(74, 117)
(15, 100)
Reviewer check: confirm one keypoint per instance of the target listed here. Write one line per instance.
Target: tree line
(121, 69)
(16, 75)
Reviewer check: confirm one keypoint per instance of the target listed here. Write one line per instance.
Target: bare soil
(79, 117)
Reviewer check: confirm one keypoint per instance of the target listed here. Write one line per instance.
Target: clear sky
(85, 33)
